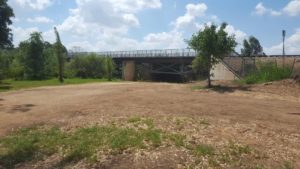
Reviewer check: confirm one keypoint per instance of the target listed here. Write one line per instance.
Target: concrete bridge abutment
(129, 70)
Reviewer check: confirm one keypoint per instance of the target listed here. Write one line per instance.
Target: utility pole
(283, 47)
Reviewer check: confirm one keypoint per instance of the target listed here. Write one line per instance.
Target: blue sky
(101, 25)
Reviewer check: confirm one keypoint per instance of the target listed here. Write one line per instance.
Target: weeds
(177, 139)
(267, 72)
(134, 119)
(287, 165)
(204, 150)
(204, 122)
(35, 143)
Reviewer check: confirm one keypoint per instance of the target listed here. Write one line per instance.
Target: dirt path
(270, 116)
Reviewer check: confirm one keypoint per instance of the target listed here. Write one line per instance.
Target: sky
(112, 25)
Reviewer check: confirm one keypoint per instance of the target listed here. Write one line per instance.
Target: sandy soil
(265, 116)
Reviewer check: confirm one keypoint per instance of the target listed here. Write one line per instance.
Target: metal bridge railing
(150, 53)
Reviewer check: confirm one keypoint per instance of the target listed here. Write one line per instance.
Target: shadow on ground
(229, 89)
(296, 114)
(21, 108)
(5, 86)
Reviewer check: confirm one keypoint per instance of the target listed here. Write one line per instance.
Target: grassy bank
(267, 72)
(9, 84)
(92, 144)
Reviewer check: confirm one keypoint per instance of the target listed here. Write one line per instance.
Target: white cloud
(131, 19)
(40, 19)
(101, 28)
(239, 35)
(196, 10)
(292, 8)
(35, 4)
(103, 25)
(164, 40)
(275, 13)
(109, 13)
(192, 12)
(260, 10)
(292, 45)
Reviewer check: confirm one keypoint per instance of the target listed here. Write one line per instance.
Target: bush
(89, 66)
(6, 58)
(267, 72)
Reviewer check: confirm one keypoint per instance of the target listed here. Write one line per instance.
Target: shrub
(5, 61)
(267, 72)
(90, 66)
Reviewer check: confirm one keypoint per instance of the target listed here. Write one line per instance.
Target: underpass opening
(165, 77)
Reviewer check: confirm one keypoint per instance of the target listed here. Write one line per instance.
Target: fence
(242, 66)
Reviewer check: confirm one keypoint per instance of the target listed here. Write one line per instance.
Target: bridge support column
(128, 70)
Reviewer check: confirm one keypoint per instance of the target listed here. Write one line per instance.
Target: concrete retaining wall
(128, 70)
(221, 72)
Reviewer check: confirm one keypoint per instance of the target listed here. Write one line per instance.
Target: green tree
(51, 61)
(251, 47)
(110, 66)
(34, 60)
(212, 44)
(199, 66)
(87, 66)
(3, 65)
(6, 13)
(60, 53)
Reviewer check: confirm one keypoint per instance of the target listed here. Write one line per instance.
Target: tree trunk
(209, 69)
(61, 69)
(208, 79)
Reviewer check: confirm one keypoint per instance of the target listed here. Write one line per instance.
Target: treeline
(36, 59)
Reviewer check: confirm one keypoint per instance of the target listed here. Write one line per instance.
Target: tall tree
(212, 44)
(6, 13)
(34, 57)
(251, 47)
(34, 60)
(60, 53)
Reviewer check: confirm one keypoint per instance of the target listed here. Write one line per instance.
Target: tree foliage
(36, 58)
(251, 47)
(4, 65)
(110, 66)
(6, 13)
(87, 66)
(212, 44)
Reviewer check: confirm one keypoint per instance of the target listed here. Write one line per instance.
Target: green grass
(287, 165)
(199, 87)
(267, 72)
(88, 144)
(84, 143)
(134, 119)
(204, 150)
(177, 139)
(9, 84)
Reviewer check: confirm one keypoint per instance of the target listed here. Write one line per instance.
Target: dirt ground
(265, 117)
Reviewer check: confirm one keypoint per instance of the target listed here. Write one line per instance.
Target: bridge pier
(128, 70)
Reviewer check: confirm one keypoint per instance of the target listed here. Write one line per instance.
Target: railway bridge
(174, 64)
(161, 65)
